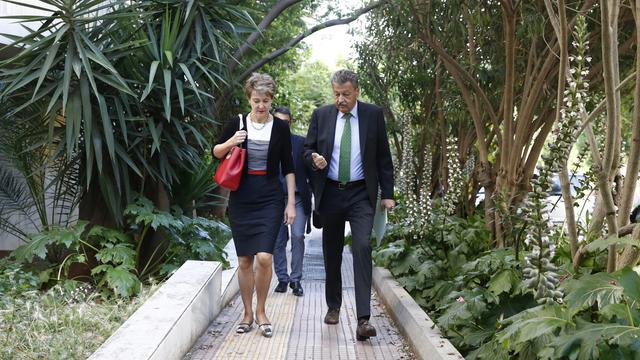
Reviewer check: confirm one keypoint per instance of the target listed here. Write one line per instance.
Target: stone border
(413, 322)
(166, 326)
(230, 287)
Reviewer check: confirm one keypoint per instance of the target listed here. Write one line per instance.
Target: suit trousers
(336, 207)
(297, 246)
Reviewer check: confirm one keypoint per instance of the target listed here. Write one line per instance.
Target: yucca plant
(125, 87)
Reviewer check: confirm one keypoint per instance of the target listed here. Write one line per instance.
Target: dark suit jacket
(302, 172)
(374, 149)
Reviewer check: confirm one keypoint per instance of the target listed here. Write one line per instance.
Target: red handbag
(229, 172)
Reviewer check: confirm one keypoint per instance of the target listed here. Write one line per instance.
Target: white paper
(380, 223)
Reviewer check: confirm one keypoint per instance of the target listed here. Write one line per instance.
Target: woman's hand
(222, 150)
(289, 214)
(238, 138)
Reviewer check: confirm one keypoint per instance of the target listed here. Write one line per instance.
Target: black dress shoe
(365, 330)
(332, 317)
(282, 287)
(297, 288)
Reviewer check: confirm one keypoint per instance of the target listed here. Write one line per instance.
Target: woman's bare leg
(263, 281)
(246, 282)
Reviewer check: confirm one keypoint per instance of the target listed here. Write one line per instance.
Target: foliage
(196, 190)
(186, 238)
(33, 196)
(14, 280)
(479, 300)
(540, 271)
(124, 87)
(112, 260)
(452, 274)
(305, 90)
(108, 252)
(69, 321)
(598, 320)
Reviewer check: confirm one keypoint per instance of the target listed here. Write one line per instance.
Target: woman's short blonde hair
(262, 83)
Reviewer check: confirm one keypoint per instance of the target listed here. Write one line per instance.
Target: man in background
(303, 211)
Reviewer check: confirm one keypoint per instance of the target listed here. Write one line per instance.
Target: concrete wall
(166, 326)
(7, 241)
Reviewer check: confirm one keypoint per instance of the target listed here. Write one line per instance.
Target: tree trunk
(630, 255)
(609, 21)
(567, 198)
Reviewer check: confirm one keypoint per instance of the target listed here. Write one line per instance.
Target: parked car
(555, 206)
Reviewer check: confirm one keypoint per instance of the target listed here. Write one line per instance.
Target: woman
(256, 208)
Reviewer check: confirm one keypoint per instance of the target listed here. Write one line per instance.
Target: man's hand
(387, 204)
(318, 161)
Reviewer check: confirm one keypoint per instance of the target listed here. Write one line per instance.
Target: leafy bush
(186, 238)
(452, 273)
(598, 320)
(14, 280)
(479, 300)
(111, 260)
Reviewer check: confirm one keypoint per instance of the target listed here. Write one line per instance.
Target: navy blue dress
(256, 209)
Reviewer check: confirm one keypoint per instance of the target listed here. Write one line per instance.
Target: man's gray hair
(344, 76)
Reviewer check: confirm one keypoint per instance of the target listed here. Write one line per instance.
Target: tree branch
(293, 42)
(462, 73)
(273, 13)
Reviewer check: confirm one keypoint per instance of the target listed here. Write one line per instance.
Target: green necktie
(344, 165)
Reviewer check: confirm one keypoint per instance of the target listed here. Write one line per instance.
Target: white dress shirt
(357, 172)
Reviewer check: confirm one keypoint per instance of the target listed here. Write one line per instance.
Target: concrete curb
(230, 287)
(419, 330)
(166, 326)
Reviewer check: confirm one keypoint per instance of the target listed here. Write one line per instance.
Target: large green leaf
(533, 323)
(503, 281)
(587, 340)
(603, 243)
(391, 252)
(119, 278)
(37, 246)
(621, 313)
(117, 254)
(601, 288)
(630, 281)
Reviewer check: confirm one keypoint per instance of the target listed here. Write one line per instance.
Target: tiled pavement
(299, 332)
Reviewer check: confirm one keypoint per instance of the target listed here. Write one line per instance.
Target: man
(348, 149)
(303, 210)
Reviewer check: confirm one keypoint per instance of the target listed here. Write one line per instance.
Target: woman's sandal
(244, 327)
(266, 329)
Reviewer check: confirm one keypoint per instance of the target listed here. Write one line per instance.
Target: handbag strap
(241, 127)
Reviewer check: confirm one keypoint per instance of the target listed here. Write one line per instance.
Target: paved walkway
(299, 332)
